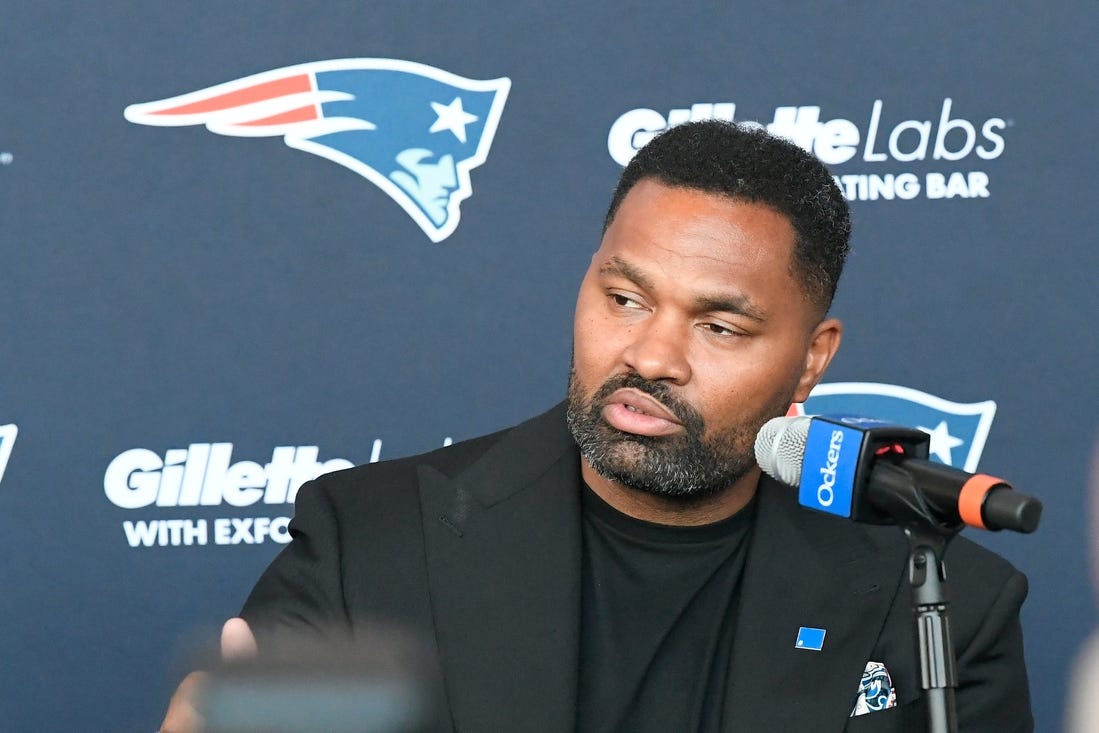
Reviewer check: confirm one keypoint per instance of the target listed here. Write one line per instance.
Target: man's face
(690, 333)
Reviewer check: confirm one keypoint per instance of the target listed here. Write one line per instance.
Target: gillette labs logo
(882, 139)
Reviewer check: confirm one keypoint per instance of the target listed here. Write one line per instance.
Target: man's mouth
(632, 411)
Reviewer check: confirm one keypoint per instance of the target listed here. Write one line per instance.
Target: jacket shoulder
(358, 550)
(388, 480)
(398, 473)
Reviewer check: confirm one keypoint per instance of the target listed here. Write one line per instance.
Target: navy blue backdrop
(211, 299)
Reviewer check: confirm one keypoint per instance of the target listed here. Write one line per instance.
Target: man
(619, 563)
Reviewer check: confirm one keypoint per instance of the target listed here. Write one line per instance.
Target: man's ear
(823, 344)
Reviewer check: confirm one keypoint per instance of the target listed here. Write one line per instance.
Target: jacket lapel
(806, 569)
(503, 552)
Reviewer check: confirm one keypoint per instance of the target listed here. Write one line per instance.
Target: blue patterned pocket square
(876, 691)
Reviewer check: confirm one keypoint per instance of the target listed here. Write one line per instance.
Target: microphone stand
(895, 493)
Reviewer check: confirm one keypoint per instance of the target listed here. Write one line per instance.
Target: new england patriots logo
(7, 442)
(412, 130)
(958, 429)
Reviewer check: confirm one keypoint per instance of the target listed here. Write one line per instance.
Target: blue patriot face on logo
(413, 130)
(958, 429)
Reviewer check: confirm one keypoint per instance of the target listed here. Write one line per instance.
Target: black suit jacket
(477, 547)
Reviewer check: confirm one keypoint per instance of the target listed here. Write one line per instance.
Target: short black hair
(747, 163)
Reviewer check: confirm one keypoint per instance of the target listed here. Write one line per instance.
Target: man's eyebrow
(737, 304)
(618, 266)
(725, 303)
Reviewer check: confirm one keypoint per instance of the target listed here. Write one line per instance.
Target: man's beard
(688, 466)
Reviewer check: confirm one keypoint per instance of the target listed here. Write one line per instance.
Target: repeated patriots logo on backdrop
(411, 129)
(958, 429)
(7, 442)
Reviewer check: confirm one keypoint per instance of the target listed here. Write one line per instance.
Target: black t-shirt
(658, 612)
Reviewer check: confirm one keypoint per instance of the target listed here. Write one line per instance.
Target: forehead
(696, 237)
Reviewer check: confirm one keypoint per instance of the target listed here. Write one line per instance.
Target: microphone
(871, 471)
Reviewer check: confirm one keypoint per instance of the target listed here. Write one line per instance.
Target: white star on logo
(452, 117)
(942, 442)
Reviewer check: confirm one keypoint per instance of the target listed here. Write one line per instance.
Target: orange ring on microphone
(972, 497)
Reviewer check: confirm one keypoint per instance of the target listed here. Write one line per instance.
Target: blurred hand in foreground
(237, 642)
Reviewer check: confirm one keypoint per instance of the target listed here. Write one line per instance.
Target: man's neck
(672, 511)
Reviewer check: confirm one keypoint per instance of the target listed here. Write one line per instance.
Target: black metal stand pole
(894, 492)
(938, 668)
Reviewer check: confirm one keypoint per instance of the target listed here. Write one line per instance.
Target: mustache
(659, 391)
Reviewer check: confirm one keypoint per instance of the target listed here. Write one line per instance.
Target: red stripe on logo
(301, 114)
(256, 93)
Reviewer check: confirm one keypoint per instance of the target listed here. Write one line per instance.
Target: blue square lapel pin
(810, 638)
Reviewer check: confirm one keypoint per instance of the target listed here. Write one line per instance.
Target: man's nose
(659, 351)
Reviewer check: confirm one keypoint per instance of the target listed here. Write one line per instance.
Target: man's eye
(624, 301)
(719, 330)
